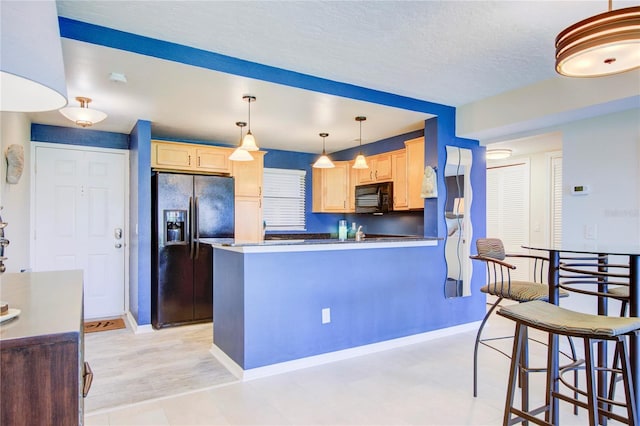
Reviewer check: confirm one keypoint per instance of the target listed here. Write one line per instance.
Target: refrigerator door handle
(196, 227)
(191, 220)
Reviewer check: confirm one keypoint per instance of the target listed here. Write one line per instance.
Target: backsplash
(394, 223)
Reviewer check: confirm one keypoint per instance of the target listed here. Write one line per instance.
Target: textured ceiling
(448, 52)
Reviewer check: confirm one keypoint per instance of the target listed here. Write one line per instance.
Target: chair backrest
(490, 247)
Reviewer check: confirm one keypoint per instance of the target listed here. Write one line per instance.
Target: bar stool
(499, 284)
(591, 328)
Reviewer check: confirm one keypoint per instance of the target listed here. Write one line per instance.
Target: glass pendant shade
(249, 142)
(31, 67)
(83, 115)
(241, 154)
(324, 162)
(604, 44)
(361, 162)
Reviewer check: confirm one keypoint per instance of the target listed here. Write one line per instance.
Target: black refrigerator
(186, 208)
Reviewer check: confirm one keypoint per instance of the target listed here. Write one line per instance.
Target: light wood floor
(130, 368)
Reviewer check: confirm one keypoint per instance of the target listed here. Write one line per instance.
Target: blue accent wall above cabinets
(76, 136)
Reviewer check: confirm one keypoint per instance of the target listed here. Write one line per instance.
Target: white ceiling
(448, 52)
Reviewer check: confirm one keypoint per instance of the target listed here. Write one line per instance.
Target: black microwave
(374, 198)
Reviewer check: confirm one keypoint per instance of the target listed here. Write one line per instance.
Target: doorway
(79, 219)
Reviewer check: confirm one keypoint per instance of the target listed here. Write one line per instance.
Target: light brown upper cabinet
(415, 172)
(399, 171)
(248, 175)
(330, 188)
(189, 157)
(380, 169)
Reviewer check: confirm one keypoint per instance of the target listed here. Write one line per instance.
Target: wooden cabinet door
(383, 170)
(353, 181)
(399, 166)
(248, 175)
(415, 172)
(213, 159)
(336, 187)
(366, 175)
(173, 156)
(248, 217)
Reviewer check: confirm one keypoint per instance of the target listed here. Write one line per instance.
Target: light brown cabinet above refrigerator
(190, 157)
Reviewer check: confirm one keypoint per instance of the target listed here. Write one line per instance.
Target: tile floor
(423, 384)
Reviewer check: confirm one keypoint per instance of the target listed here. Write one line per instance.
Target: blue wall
(438, 132)
(140, 223)
(77, 136)
(265, 313)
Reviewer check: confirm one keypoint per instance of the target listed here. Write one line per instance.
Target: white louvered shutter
(556, 201)
(508, 210)
(284, 199)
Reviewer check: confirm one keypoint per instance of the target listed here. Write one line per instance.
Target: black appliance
(187, 208)
(374, 198)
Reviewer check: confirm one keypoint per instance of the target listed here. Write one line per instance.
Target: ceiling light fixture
(324, 162)
(361, 162)
(604, 44)
(83, 115)
(31, 70)
(240, 154)
(249, 142)
(498, 154)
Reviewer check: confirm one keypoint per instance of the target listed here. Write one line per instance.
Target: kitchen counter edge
(318, 245)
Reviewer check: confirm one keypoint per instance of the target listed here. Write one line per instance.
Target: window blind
(284, 199)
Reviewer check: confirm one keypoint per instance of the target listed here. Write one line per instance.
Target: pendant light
(604, 44)
(240, 154)
(32, 68)
(83, 115)
(323, 162)
(361, 162)
(249, 142)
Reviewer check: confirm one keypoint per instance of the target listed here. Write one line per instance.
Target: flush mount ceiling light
(604, 44)
(240, 154)
(361, 162)
(249, 142)
(324, 162)
(31, 66)
(498, 154)
(83, 115)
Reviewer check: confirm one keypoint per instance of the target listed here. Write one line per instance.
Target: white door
(79, 215)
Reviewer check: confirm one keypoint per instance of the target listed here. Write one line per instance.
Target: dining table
(602, 252)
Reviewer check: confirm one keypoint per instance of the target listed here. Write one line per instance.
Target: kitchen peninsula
(282, 301)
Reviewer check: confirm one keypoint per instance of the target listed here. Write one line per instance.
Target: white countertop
(275, 246)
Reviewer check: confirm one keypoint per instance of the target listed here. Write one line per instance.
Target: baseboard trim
(137, 329)
(312, 361)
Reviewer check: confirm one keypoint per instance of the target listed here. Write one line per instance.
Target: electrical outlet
(326, 315)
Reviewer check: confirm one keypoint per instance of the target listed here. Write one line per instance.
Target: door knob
(117, 245)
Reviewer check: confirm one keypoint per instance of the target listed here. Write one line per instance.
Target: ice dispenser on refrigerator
(174, 226)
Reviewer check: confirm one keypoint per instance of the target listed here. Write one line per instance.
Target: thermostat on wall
(580, 189)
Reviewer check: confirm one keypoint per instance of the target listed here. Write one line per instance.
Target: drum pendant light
(361, 162)
(240, 154)
(249, 142)
(324, 162)
(31, 65)
(604, 44)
